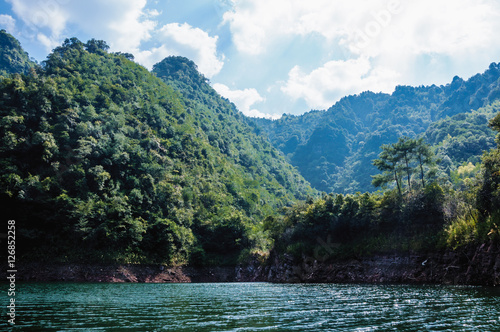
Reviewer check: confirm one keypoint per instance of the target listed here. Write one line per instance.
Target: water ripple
(255, 307)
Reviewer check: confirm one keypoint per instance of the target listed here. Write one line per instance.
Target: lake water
(253, 307)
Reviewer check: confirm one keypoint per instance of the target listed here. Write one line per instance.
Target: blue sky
(279, 56)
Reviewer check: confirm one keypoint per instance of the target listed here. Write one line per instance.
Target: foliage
(462, 138)
(101, 160)
(424, 217)
(406, 156)
(13, 59)
(345, 225)
(334, 149)
(476, 206)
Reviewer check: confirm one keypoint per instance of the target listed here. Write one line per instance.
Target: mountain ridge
(334, 147)
(99, 154)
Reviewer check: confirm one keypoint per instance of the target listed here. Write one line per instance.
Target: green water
(252, 307)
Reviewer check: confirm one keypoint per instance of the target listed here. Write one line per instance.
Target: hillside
(13, 59)
(103, 161)
(334, 149)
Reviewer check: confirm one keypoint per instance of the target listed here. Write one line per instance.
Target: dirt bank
(121, 273)
(475, 265)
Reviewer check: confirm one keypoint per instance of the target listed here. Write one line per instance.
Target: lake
(253, 307)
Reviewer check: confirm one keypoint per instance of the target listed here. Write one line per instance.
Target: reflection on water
(254, 307)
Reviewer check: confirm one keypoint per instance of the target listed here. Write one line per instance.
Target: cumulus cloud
(366, 28)
(120, 22)
(335, 79)
(185, 40)
(41, 14)
(8, 23)
(195, 44)
(375, 45)
(256, 24)
(244, 99)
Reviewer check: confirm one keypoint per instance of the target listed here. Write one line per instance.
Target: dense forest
(416, 212)
(104, 161)
(334, 149)
(98, 153)
(13, 59)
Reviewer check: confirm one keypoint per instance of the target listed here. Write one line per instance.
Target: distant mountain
(13, 59)
(334, 149)
(103, 161)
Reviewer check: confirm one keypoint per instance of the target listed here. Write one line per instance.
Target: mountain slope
(102, 161)
(13, 59)
(227, 129)
(334, 149)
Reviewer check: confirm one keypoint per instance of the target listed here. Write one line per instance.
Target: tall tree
(424, 156)
(399, 158)
(405, 147)
(388, 163)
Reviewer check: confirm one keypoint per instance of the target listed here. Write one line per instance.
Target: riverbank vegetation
(419, 212)
(104, 161)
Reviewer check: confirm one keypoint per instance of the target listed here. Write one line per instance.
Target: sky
(272, 57)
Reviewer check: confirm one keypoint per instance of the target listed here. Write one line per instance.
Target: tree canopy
(406, 157)
(102, 160)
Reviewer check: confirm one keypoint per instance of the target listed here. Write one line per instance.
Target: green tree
(424, 157)
(404, 156)
(489, 191)
(388, 163)
(405, 148)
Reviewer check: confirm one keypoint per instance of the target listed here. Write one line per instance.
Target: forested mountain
(103, 161)
(13, 59)
(334, 149)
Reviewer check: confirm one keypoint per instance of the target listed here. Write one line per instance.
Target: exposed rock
(471, 265)
(478, 265)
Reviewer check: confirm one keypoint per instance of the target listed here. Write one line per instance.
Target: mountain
(13, 59)
(103, 161)
(334, 149)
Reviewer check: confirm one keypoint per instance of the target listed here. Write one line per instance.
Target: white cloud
(46, 41)
(323, 86)
(197, 41)
(152, 56)
(8, 23)
(122, 23)
(244, 99)
(367, 28)
(256, 24)
(185, 40)
(41, 14)
(374, 45)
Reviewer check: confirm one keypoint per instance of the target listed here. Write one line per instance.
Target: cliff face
(468, 266)
(471, 266)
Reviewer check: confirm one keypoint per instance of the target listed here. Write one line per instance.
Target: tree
(388, 163)
(405, 148)
(400, 157)
(488, 199)
(96, 46)
(424, 156)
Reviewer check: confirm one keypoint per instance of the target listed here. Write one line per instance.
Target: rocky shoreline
(468, 266)
(38, 272)
(474, 265)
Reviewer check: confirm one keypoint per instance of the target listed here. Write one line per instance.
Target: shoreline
(474, 265)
